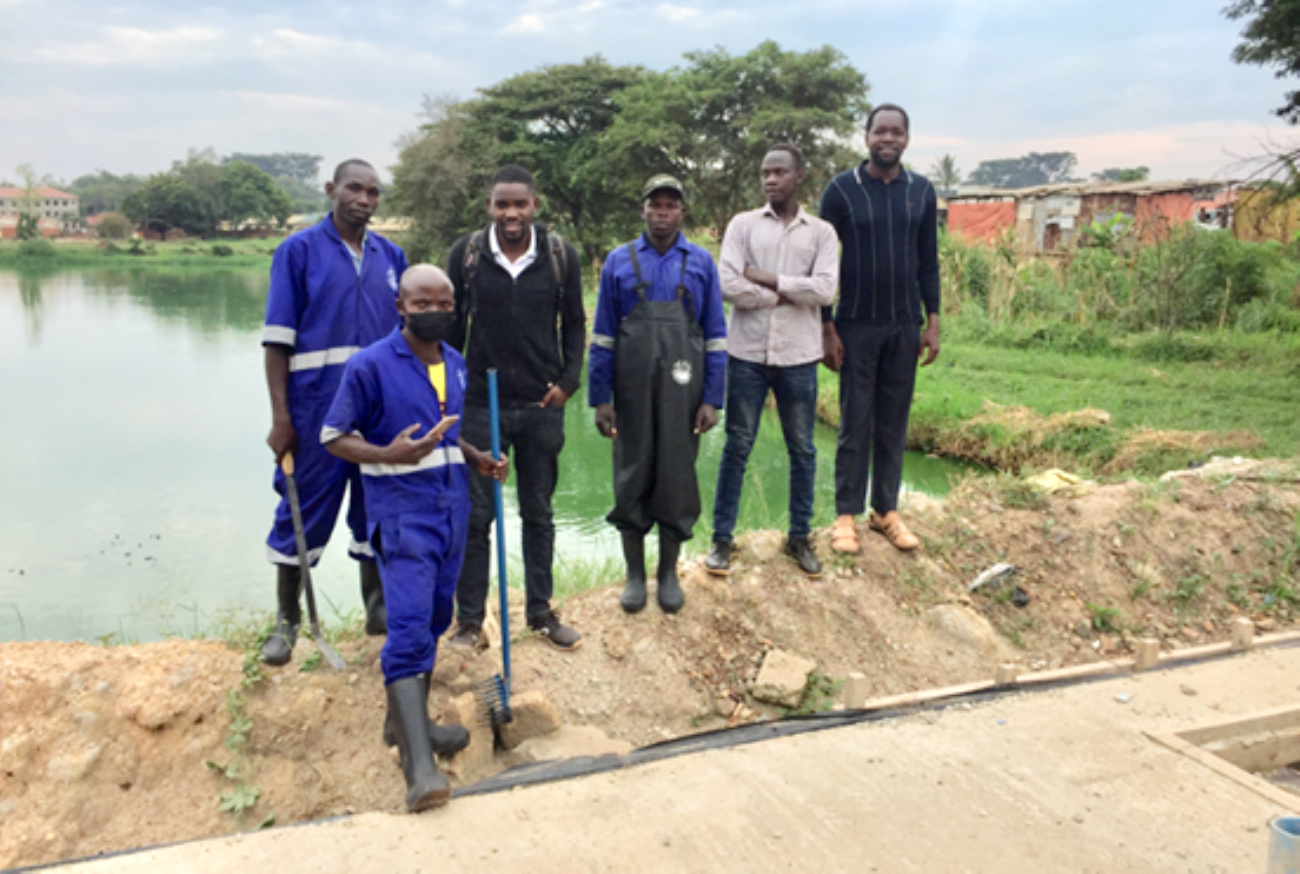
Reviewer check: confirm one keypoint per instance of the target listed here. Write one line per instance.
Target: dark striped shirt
(889, 257)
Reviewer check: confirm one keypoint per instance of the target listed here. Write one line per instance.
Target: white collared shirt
(514, 268)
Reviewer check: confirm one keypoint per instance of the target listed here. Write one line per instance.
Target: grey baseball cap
(663, 182)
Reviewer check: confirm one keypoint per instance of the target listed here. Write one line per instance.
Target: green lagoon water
(135, 484)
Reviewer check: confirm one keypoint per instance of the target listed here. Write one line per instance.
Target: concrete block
(782, 679)
(1148, 654)
(475, 760)
(1006, 674)
(1243, 634)
(855, 691)
(535, 716)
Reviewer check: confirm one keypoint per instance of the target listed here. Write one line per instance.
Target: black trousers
(532, 437)
(877, 380)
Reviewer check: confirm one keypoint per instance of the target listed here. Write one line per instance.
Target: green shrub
(221, 250)
(36, 247)
(114, 226)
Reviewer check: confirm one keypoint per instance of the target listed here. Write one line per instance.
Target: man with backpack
(519, 311)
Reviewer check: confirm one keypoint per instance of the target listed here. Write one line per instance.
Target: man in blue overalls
(332, 294)
(659, 350)
(417, 505)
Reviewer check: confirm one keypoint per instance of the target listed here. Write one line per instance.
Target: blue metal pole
(495, 416)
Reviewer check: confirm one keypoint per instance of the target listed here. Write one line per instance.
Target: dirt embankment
(105, 748)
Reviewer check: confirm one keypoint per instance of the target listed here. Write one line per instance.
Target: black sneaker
(557, 634)
(468, 634)
(718, 561)
(801, 551)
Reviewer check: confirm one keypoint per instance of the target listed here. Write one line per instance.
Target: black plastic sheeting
(557, 770)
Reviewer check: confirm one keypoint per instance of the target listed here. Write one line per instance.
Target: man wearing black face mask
(395, 415)
(515, 283)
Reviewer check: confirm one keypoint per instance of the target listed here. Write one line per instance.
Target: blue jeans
(796, 403)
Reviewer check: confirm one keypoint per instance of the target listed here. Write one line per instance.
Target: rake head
(494, 701)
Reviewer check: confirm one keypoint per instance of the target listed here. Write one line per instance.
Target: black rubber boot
(671, 596)
(634, 593)
(278, 648)
(425, 786)
(372, 595)
(445, 740)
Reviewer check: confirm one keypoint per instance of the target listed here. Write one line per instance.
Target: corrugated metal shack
(1048, 218)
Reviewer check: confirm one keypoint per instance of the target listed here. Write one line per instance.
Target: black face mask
(431, 327)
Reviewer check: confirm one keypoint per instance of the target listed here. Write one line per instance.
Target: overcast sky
(130, 86)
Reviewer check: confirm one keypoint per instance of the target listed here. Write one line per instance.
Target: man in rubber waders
(396, 415)
(332, 292)
(886, 219)
(656, 379)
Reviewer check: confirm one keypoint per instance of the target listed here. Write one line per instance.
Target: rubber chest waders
(658, 386)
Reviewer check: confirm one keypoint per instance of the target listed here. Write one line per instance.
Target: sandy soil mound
(106, 748)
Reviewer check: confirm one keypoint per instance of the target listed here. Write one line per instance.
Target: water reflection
(137, 484)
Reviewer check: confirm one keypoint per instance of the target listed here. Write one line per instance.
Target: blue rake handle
(495, 417)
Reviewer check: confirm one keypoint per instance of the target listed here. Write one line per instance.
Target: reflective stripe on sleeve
(604, 341)
(324, 358)
(718, 345)
(356, 547)
(438, 458)
(329, 435)
(279, 334)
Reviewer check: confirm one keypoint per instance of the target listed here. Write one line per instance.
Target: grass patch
(1013, 408)
(139, 253)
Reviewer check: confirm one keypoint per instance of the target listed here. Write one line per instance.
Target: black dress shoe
(718, 561)
(801, 551)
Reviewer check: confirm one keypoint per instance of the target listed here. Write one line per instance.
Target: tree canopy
(1036, 168)
(198, 194)
(592, 133)
(1271, 38)
(1123, 174)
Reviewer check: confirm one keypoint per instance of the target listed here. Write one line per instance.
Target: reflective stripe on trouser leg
(322, 481)
(419, 561)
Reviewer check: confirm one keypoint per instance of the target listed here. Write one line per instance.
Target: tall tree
(1271, 38)
(439, 177)
(250, 195)
(29, 203)
(711, 122)
(102, 191)
(294, 165)
(1123, 174)
(1036, 168)
(944, 174)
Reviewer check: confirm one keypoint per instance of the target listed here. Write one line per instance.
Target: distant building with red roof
(56, 211)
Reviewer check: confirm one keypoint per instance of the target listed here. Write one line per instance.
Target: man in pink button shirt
(778, 268)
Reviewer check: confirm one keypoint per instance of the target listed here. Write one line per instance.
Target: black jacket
(533, 336)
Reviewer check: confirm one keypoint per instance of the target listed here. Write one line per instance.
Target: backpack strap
(469, 268)
(559, 268)
(684, 293)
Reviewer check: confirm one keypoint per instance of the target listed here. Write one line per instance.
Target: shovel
(304, 565)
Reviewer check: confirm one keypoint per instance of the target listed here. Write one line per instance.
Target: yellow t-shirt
(438, 376)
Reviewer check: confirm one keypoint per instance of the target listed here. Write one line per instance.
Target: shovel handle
(286, 464)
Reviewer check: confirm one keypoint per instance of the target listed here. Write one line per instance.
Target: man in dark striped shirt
(886, 219)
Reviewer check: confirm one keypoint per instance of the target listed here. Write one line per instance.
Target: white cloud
(678, 13)
(526, 24)
(123, 46)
